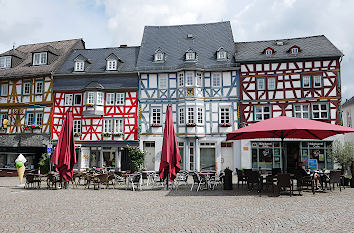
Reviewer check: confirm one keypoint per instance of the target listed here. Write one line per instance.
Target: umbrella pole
(168, 172)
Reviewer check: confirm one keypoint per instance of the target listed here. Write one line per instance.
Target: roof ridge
(257, 41)
(180, 25)
(129, 47)
(49, 42)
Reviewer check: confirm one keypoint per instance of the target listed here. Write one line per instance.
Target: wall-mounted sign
(245, 148)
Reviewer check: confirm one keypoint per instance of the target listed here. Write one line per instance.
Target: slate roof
(24, 52)
(313, 46)
(348, 102)
(173, 41)
(97, 60)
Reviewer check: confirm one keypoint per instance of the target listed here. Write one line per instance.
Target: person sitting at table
(300, 169)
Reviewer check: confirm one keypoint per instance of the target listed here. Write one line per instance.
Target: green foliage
(343, 153)
(137, 157)
(44, 163)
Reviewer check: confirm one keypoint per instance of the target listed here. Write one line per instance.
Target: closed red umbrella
(170, 163)
(64, 156)
(288, 127)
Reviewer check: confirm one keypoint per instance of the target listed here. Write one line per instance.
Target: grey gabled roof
(173, 41)
(310, 47)
(97, 59)
(24, 52)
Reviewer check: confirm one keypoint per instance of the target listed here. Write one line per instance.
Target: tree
(136, 157)
(344, 154)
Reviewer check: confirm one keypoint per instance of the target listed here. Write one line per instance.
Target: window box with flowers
(191, 124)
(77, 134)
(155, 125)
(228, 124)
(90, 105)
(106, 134)
(32, 128)
(117, 134)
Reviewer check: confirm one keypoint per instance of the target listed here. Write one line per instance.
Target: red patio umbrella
(288, 127)
(64, 156)
(170, 163)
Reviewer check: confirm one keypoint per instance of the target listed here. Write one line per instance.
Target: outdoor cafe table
(150, 176)
(207, 175)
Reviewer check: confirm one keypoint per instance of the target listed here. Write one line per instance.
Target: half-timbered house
(192, 69)
(100, 87)
(297, 77)
(26, 98)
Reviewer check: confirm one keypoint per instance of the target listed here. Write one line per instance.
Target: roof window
(5, 62)
(40, 58)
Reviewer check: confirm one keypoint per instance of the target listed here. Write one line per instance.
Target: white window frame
(107, 126)
(110, 98)
(32, 114)
(111, 64)
(159, 56)
(119, 125)
(320, 111)
(39, 115)
(349, 119)
(199, 79)
(100, 98)
(261, 85)
(38, 87)
(68, 100)
(40, 58)
(120, 98)
(262, 112)
(190, 56)
(301, 113)
(90, 97)
(189, 79)
(181, 79)
(181, 115)
(308, 78)
(4, 91)
(294, 50)
(221, 55)
(77, 126)
(26, 85)
(269, 83)
(5, 62)
(74, 100)
(268, 52)
(163, 82)
(318, 78)
(225, 114)
(79, 66)
(200, 115)
(216, 79)
(156, 115)
(190, 115)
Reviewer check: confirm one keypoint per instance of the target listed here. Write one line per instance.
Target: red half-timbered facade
(293, 77)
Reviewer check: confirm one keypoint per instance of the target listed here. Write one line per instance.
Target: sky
(110, 23)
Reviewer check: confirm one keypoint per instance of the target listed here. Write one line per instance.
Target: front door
(149, 161)
(292, 155)
(207, 159)
(227, 158)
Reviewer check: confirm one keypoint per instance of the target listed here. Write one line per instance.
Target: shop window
(318, 150)
(320, 111)
(302, 111)
(266, 155)
(156, 116)
(262, 112)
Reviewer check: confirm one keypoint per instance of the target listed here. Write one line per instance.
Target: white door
(149, 161)
(227, 158)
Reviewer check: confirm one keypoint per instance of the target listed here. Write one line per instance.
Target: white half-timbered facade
(292, 77)
(192, 69)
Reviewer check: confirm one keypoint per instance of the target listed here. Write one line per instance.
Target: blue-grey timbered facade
(192, 69)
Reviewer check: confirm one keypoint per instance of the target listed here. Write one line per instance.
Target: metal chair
(240, 177)
(284, 182)
(31, 181)
(198, 181)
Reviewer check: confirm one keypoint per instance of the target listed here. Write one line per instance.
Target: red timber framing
(290, 88)
(92, 125)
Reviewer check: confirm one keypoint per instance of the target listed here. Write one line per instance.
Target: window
(349, 120)
(77, 99)
(294, 50)
(68, 100)
(262, 113)
(26, 88)
(163, 82)
(30, 118)
(39, 118)
(34, 118)
(107, 126)
(181, 151)
(224, 115)
(77, 126)
(40, 58)
(200, 115)
(118, 125)
(271, 83)
(191, 155)
(4, 91)
(181, 115)
(221, 55)
(38, 87)
(180, 79)
(5, 62)
(111, 65)
(260, 84)
(99, 98)
(190, 56)
(199, 79)
(320, 111)
(190, 111)
(302, 111)
(156, 116)
(158, 56)
(306, 81)
(216, 80)
(317, 81)
(110, 98)
(119, 98)
(189, 79)
(268, 52)
(79, 66)
(91, 98)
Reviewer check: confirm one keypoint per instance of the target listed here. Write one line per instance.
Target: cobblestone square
(120, 210)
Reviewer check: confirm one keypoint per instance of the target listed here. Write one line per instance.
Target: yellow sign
(245, 148)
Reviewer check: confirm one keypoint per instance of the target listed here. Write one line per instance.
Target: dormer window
(294, 50)
(79, 66)
(221, 54)
(5, 62)
(159, 56)
(111, 64)
(190, 56)
(268, 52)
(40, 58)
